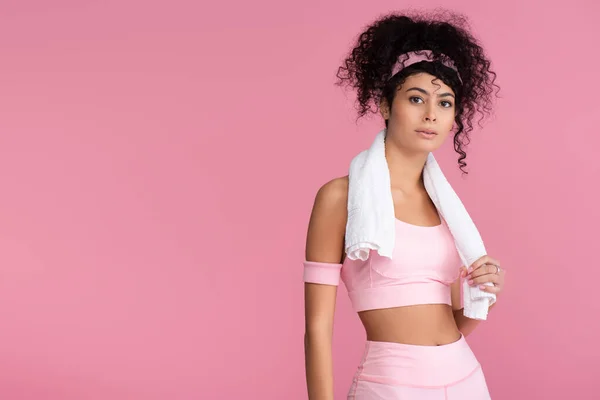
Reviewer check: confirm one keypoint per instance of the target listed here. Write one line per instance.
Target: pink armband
(320, 272)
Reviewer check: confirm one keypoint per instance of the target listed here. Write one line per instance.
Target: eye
(414, 99)
(446, 104)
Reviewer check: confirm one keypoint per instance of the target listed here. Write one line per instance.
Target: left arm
(483, 270)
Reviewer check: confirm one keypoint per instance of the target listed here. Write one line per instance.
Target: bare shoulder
(331, 201)
(327, 226)
(333, 193)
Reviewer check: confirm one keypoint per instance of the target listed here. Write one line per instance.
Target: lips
(427, 131)
(427, 134)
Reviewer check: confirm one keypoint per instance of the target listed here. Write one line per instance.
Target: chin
(428, 146)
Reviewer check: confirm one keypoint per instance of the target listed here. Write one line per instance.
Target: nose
(429, 115)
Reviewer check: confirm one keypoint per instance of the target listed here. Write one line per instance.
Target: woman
(429, 78)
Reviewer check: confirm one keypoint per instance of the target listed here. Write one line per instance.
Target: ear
(384, 109)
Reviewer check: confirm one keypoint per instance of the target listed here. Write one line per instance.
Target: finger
(463, 271)
(483, 261)
(483, 279)
(478, 264)
(484, 269)
(491, 289)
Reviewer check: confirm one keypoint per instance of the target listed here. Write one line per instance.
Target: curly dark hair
(368, 67)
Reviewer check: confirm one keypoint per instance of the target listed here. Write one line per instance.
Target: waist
(424, 324)
(415, 365)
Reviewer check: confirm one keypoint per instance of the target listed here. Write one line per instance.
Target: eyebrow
(418, 89)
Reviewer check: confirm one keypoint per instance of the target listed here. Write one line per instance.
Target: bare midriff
(423, 324)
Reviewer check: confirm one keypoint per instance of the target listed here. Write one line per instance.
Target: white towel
(371, 217)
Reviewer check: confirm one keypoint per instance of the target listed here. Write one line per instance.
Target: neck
(406, 169)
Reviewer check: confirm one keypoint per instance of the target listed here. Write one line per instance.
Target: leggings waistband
(415, 365)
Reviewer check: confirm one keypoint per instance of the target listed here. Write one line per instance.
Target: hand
(484, 270)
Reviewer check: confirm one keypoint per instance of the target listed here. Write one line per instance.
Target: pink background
(158, 164)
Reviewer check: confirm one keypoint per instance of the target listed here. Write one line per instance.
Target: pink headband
(413, 57)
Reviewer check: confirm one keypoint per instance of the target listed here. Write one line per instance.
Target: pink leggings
(395, 371)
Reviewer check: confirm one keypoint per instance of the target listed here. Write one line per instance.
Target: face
(422, 114)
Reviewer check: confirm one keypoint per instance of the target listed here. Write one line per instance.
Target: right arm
(325, 249)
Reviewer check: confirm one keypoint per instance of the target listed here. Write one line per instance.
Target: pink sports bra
(424, 264)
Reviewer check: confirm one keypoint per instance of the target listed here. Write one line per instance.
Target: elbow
(317, 340)
(318, 331)
(464, 332)
(459, 320)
